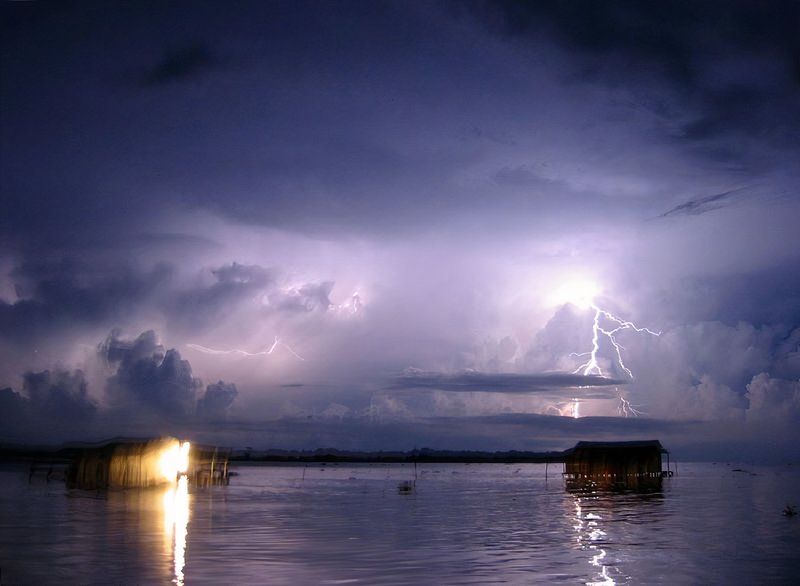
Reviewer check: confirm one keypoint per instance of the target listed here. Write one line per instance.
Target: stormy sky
(380, 225)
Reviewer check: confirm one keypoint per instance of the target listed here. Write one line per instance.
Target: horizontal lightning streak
(239, 352)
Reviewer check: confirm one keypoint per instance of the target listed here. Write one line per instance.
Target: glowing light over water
(175, 460)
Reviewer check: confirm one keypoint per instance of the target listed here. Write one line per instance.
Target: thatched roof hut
(633, 465)
(124, 463)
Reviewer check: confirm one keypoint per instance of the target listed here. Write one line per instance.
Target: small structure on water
(139, 463)
(633, 465)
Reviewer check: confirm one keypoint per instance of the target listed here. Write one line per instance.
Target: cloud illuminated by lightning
(238, 352)
(352, 306)
(582, 292)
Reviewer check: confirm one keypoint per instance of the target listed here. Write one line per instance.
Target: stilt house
(139, 463)
(624, 465)
(121, 463)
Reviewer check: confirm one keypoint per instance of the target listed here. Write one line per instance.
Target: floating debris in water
(789, 511)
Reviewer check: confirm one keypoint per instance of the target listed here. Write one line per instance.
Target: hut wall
(139, 464)
(632, 467)
(122, 465)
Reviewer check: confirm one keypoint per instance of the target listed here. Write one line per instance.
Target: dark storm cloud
(216, 401)
(734, 63)
(182, 64)
(654, 32)
(502, 382)
(766, 295)
(670, 34)
(148, 378)
(69, 293)
(250, 292)
(234, 283)
(151, 380)
(50, 399)
(59, 394)
(454, 185)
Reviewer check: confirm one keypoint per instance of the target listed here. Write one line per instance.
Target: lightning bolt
(591, 366)
(627, 409)
(238, 352)
(576, 405)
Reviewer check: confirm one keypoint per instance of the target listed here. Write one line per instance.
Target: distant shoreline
(323, 455)
(414, 456)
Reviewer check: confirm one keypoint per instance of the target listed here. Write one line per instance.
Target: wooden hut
(139, 463)
(124, 463)
(615, 465)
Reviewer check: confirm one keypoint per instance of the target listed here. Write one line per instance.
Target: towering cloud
(216, 401)
(148, 378)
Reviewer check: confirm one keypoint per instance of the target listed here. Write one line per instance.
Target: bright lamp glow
(175, 460)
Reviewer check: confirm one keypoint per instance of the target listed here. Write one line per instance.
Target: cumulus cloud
(236, 285)
(147, 378)
(242, 294)
(772, 399)
(71, 294)
(216, 401)
(59, 394)
(50, 400)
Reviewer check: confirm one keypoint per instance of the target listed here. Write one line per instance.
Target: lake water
(462, 524)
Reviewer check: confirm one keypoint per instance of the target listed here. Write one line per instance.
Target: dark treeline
(68, 452)
(422, 455)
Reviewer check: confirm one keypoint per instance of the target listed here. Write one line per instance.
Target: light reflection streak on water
(176, 522)
(588, 534)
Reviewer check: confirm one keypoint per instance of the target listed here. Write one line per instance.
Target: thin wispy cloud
(502, 382)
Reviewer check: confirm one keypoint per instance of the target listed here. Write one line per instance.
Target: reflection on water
(176, 523)
(605, 521)
(590, 536)
(463, 524)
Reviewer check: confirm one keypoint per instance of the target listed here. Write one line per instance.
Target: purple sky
(381, 225)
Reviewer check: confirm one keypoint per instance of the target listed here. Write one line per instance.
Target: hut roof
(630, 445)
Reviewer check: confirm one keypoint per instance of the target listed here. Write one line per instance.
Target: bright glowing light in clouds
(579, 292)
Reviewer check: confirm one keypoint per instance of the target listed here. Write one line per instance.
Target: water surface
(349, 524)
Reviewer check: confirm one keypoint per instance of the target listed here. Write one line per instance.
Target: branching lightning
(238, 352)
(627, 409)
(591, 366)
(605, 325)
